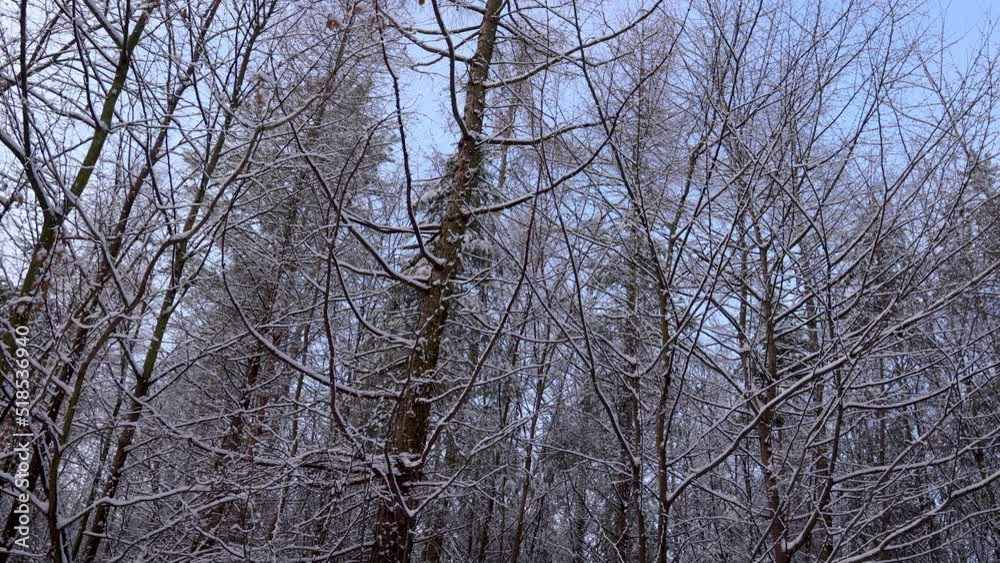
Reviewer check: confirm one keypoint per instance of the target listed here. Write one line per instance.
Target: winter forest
(507, 281)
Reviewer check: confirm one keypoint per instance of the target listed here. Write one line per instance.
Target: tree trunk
(408, 431)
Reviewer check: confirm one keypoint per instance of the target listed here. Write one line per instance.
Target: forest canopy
(510, 281)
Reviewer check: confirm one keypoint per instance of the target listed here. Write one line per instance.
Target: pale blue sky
(963, 23)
